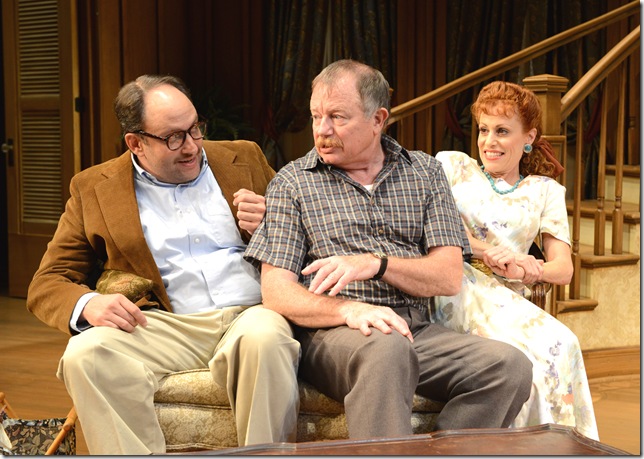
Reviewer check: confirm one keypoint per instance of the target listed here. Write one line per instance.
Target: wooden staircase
(607, 315)
(591, 262)
(601, 305)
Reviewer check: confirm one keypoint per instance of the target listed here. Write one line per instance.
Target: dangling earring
(527, 148)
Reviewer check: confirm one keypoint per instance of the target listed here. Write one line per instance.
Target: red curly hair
(507, 99)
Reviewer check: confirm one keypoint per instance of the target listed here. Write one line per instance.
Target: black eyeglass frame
(202, 128)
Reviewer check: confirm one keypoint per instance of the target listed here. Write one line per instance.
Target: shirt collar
(147, 177)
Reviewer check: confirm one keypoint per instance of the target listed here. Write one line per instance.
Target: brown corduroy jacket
(101, 226)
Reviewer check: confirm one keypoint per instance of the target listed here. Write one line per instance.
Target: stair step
(590, 260)
(628, 170)
(575, 305)
(588, 208)
(630, 189)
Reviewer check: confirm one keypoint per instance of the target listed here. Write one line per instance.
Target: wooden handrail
(460, 84)
(598, 72)
(562, 104)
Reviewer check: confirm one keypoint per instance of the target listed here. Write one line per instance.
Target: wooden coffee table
(546, 439)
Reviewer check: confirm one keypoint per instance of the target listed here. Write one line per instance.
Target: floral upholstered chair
(194, 414)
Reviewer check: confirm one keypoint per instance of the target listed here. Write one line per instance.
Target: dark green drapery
(479, 33)
(295, 53)
(365, 31)
(483, 32)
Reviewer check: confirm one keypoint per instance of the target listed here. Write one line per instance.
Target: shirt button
(381, 231)
(197, 240)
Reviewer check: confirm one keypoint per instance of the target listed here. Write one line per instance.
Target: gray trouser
(112, 375)
(483, 382)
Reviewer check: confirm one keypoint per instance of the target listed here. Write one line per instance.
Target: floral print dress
(492, 307)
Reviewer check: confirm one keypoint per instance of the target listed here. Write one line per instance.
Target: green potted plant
(225, 121)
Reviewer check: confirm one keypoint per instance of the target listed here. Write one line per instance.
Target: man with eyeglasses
(173, 214)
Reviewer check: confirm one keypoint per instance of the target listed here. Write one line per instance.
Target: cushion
(130, 285)
(194, 413)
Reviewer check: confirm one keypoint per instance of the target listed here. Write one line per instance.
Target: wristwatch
(383, 265)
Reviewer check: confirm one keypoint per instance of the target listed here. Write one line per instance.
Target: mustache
(328, 143)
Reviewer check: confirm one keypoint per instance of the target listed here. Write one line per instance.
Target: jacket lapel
(117, 201)
(231, 173)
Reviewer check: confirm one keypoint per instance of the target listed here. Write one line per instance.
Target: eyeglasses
(175, 140)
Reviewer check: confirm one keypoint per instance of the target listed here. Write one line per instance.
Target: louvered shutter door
(40, 85)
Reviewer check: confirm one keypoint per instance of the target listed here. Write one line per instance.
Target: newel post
(549, 89)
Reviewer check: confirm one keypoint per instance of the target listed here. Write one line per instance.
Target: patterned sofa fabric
(33, 437)
(194, 414)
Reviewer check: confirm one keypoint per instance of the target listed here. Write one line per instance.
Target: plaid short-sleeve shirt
(314, 210)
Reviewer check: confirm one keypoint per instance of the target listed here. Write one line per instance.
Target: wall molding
(620, 361)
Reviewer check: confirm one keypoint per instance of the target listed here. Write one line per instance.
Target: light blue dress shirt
(195, 243)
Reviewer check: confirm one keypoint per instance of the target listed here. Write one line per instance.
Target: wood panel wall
(207, 43)
(219, 43)
(420, 68)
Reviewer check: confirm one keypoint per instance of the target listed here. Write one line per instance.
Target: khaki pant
(112, 375)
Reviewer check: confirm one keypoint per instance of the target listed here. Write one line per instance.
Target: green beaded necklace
(491, 180)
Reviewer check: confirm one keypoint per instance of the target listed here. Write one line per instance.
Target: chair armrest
(538, 290)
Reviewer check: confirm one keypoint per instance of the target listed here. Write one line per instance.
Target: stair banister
(572, 100)
(618, 213)
(598, 72)
(558, 105)
(467, 81)
(599, 246)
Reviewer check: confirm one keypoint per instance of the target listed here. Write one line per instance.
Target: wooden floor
(30, 351)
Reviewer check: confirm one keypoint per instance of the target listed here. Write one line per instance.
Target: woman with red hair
(506, 203)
